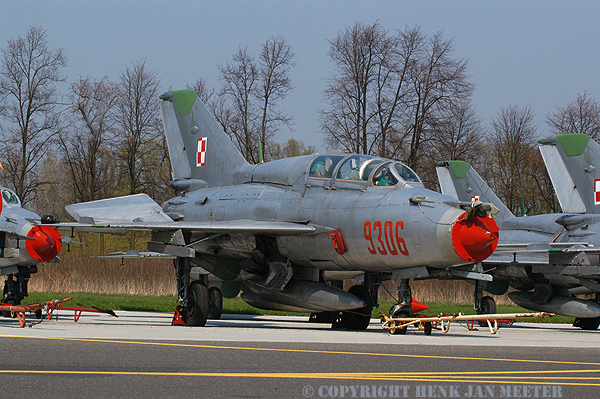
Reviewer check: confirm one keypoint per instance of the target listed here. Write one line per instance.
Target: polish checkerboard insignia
(201, 152)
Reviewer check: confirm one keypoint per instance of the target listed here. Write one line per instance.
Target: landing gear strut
(404, 306)
(483, 304)
(15, 290)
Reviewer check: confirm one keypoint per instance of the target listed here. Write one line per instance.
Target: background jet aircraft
(23, 244)
(572, 161)
(547, 258)
(279, 231)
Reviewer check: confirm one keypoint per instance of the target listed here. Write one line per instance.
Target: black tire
(358, 319)
(399, 331)
(197, 310)
(427, 328)
(488, 306)
(589, 323)
(215, 303)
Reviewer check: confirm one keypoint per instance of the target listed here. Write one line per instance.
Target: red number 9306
(384, 237)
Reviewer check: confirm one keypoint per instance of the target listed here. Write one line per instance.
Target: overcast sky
(538, 53)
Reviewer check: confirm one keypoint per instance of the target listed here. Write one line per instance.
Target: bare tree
(438, 81)
(275, 61)
(29, 72)
(579, 116)
(391, 93)
(247, 104)
(512, 143)
(85, 145)
(456, 134)
(139, 127)
(357, 54)
(202, 89)
(239, 78)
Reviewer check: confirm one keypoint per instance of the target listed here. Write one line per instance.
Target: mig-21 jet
(280, 231)
(24, 243)
(548, 259)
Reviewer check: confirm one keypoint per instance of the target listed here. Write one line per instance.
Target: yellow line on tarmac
(179, 345)
(315, 376)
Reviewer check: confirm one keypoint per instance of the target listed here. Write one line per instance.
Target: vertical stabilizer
(459, 180)
(198, 147)
(573, 162)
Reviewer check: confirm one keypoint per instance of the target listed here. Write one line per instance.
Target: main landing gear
(483, 304)
(404, 306)
(15, 290)
(588, 323)
(358, 319)
(354, 319)
(197, 302)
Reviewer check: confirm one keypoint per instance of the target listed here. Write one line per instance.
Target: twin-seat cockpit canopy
(9, 198)
(362, 168)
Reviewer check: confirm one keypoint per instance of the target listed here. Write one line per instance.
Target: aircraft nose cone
(47, 243)
(475, 238)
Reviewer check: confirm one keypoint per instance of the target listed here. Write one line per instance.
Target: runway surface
(141, 355)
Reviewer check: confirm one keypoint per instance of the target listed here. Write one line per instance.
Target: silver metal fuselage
(382, 230)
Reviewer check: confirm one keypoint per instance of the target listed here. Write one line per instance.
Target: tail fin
(573, 162)
(459, 180)
(198, 146)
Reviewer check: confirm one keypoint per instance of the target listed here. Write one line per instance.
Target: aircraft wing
(228, 226)
(140, 213)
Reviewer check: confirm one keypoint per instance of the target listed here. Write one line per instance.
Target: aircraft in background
(23, 244)
(280, 231)
(548, 259)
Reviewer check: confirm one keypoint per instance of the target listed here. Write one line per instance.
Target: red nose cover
(47, 243)
(418, 306)
(474, 239)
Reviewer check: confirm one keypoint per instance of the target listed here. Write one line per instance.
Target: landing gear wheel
(358, 319)
(587, 323)
(398, 331)
(488, 306)
(215, 303)
(197, 309)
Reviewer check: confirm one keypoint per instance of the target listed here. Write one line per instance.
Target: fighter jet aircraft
(279, 231)
(23, 244)
(547, 258)
(572, 161)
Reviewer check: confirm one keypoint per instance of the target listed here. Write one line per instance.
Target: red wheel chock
(179, 316)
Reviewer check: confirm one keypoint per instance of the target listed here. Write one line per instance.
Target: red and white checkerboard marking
(474, 198)
(597, 191)
(201, 152)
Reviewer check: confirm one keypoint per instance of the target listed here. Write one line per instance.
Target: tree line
(398, 94)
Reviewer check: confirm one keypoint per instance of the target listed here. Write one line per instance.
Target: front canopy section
(362, 169)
